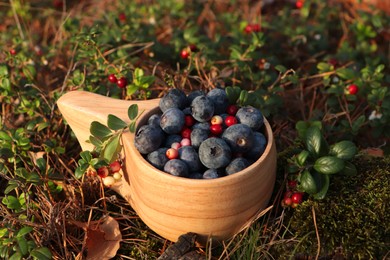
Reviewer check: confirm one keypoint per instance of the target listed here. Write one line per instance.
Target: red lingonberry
(288, 194)
(232, 110)
(193, 47)
(12, 51)
(248, 29)
(186, 132)
(216, 129)
(292, 184)
(122, 17)
(122, 82)
(255, 27)
(184, 54)
(230, 120)
(115, 166)
(172, 153)
(189, 120)
(297, 197)
(57, 3)
(333, 62)
(103, 172)
(288, 201)
(175, 145)
(112, 78)
(299, 4)
(353, 89)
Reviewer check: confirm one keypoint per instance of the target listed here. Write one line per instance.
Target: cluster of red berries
(121, 82)
(252, 28)
(186, 52)
(292, 197)
(111, 173)
(216, 128)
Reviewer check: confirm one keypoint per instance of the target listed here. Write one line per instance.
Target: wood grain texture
(169, 205)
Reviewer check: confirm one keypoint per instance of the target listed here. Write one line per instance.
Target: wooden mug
(170, 205)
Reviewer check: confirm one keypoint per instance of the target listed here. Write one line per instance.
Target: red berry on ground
(292, 184)
(112, 78)
(115, 166)
(353, 89)
(185, 142)
(103, 172)
(172, 153)
(288, 201)
(299, 4)
(12, 51)
(189, 120)
(184, 54)
(232, 110)
(230, 120)
(216, 129)
(297, 197)
(122, 82)
(186, 132)
(216, 120)
(122, 17)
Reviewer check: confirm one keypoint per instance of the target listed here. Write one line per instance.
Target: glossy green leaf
(86, 156)
(302, 157)
(132, 127)
(4, 136)
(314, 141)
(42, 126)
(3, 232)
(349, 169)
(233, 93)
(115, 123)
(328, 165)
(24, 230)
(11, 186)
(346, 73)
(16, 256)
(6, 84)
(112, 149)
(307, 183)
(322, 181)
(131, 89)
(345, 150)
(22, 243)
(11, 202)
(99, 130)
(6, 153)
(132, 112)
(3, 70)
(95, 141)
(42, 253)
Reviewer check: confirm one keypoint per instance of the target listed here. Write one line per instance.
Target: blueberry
(210, 174)
(148, 138)
(239, 137)
(187, 111)
(189, 155)
(172, 121)
(158, 158)
(238, 164)
(202, 108)
(203, 126)
(214, 153)
(175, 98)
(198, 136)
(258, 147)
(251, 117)
(154, 119)
(194, 94)
(176, 167)
(220, 100)
(170, 139)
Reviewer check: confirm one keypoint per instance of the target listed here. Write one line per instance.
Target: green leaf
(112, 149)
(86, 156)
(315, 142)
(132, 112)
(81, 170)
(16, 256)
(22, 243)
(11, 186)
(243, 97)
(328, 165)
(3, 70)
(301, 157)
(115, 123)
(95, 141)
(23, 231)
(132, 127)
(349, 169)
(307, 183)
(3, 232)
(99, 130)
(42, 126)
(42, 253)
(4, 136)
(131, 89)
(345, 150)
(11, 202)
(6, 153)
(281, 68)
(324, 180)
(233, 93)
(346, 73)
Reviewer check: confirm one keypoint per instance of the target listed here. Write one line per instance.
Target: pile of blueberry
(201, 136)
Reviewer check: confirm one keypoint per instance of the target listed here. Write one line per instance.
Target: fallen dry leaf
(376, 152)
(103, 238)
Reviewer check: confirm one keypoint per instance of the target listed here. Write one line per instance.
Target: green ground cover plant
(307, 64)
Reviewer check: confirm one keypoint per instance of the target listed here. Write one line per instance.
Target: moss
(354, 215)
